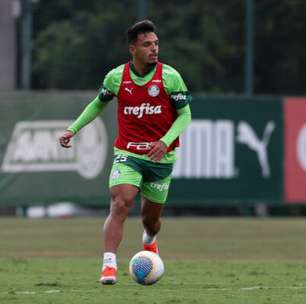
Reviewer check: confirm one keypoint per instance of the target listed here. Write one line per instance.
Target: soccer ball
(146, 267)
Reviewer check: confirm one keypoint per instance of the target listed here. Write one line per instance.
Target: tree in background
(77, 42)
(280, 47)
(76, 48)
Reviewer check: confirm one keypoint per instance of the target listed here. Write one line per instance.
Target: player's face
(145, 49)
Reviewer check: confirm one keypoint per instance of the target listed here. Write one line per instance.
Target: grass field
(207, 261)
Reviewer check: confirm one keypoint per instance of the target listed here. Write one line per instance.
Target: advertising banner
(295, 150)
(231, 152)
(34, 168)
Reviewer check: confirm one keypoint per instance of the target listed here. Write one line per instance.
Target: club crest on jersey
(153, 90)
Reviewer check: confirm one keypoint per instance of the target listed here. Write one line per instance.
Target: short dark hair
(144, 26)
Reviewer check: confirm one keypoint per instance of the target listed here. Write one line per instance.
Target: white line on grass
(28, 292)
(249, 288)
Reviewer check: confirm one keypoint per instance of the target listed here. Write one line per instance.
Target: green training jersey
(174, 86)
(172, 81)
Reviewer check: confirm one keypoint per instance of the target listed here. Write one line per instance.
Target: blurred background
(243, 61)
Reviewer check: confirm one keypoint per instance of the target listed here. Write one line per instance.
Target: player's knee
(119, 207)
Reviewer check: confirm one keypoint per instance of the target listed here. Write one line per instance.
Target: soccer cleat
(108, 276)
(153, 247)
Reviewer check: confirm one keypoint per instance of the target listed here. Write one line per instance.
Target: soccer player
(153, 110)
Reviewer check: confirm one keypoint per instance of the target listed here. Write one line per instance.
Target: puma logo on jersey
(129, 90)
(144, 109)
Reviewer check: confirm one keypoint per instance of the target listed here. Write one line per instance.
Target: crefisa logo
(34, 147)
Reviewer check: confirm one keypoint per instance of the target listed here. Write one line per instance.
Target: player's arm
(160, 147)
(180, 124)
(91, 111)
(180, 98)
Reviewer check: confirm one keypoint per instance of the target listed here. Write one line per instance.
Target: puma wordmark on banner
(209, 148)
(34, 148)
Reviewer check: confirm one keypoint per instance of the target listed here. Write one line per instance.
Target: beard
(152, 64)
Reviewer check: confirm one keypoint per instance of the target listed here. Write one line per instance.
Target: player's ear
(132, 49)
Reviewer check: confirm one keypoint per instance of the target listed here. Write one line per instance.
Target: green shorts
(152, 179)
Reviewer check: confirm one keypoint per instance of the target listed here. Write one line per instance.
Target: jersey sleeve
(92, 110)
(111, 84)
(180, 124)
(175, 87)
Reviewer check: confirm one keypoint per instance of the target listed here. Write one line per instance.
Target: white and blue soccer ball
(146, 267)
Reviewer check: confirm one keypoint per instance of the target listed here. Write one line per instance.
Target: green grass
(216, 261)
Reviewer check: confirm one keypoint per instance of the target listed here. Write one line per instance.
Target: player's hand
(158, 150)
(64, 140)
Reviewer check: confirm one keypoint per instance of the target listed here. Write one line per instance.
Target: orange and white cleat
(151, 247)
(108, 276)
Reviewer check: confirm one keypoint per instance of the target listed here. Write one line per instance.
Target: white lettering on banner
(208, 149)
(34, 147)
(144, 109)
(301, 147)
